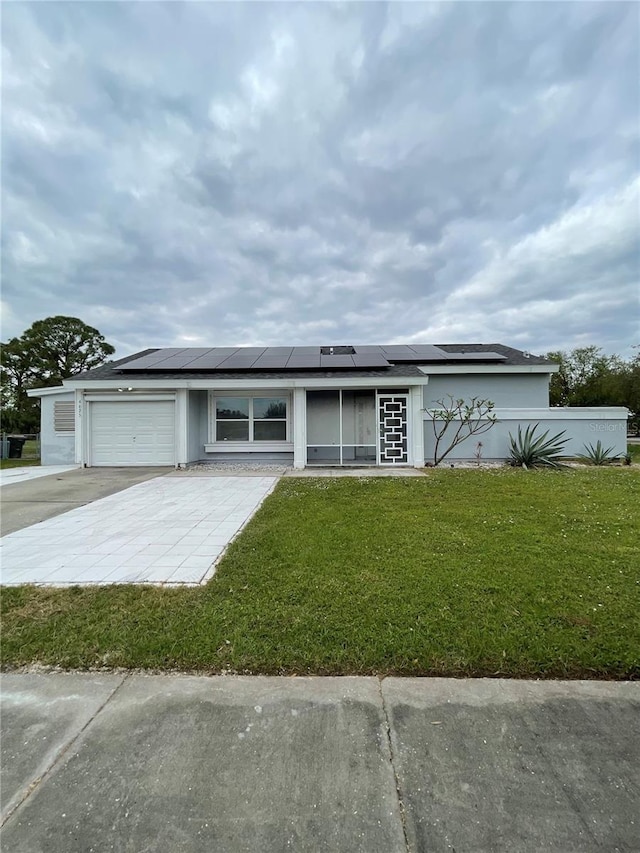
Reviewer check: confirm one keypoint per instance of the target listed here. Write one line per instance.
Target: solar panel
(396, 352)
(146, 361)
(330, 361)
(182, 359)
(211, 359)
(136, 364)
(307, 361)
(429, 352)
(373, 359)
(270, 361)
(413, 353)
(279, 351)
(298, 358)
(243, 357)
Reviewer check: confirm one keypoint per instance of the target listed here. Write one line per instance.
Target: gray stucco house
(333, 405)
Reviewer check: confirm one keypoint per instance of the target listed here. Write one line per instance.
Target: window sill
(249, 446)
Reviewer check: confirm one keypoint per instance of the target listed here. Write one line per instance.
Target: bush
(598, 455)
(529, 451)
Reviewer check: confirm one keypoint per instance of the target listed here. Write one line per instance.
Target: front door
(393, 444)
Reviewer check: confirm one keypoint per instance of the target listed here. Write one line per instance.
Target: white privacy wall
(583, 426)
(56, 448)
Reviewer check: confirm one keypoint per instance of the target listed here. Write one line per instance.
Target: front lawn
(489, 572)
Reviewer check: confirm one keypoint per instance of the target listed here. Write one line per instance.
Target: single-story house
(310, 405)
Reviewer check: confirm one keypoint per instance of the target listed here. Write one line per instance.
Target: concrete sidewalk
(98, 762)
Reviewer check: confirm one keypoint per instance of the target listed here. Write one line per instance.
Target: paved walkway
(103, 762)
(31, 472)
(354, 472)
(166, 530)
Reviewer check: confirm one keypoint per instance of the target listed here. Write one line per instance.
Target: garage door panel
(132, 432)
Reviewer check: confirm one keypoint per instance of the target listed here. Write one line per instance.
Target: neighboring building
(334, 405)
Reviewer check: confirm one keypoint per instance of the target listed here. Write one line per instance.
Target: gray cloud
(310, 173)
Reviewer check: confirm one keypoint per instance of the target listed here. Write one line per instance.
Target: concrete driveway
(165, 530)
(8, 476)
(30, 501)
(100, 762)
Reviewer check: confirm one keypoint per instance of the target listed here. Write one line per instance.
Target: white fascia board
(129, 398)
(49, 392)
(462, 369)
(253, 383)
(558, 413)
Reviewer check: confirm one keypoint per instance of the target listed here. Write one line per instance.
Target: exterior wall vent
(64, 416)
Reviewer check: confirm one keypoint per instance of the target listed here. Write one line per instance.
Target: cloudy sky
(214, 174)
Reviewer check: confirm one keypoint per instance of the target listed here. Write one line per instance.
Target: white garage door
(133, 433)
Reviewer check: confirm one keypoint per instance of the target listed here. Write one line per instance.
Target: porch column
(182, 427)
(81, 426)
(299, 428)
(416, 453)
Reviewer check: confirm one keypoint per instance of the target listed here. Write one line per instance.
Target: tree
(630, 386)
(48, 352)
(65, 346)
(19, 412)
(472, 418)
(588, 377)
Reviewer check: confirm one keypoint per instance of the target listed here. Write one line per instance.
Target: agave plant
(531, 451)
(598, 455)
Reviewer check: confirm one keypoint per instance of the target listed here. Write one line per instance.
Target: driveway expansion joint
(396, 778)
(35, 783)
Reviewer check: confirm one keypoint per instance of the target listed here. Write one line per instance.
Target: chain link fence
(20, 446)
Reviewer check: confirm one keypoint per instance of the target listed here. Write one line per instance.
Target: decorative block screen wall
(392, 412)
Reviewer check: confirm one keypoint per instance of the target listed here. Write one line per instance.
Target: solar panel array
(298, 358)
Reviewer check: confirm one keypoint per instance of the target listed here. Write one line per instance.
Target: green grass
(30, 456)
(31, 450)
(634, 451)
(18, 463)
(491, 572)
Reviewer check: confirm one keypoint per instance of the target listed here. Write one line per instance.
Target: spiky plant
(598, 455)
(531, 451)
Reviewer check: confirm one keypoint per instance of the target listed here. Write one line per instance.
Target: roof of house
(311, 362)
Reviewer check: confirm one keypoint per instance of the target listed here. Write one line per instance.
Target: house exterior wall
(199, 437)
(520, 399)
(210, 450)
(56, 448)
(582, 425)
(520, 390)
(197, 425)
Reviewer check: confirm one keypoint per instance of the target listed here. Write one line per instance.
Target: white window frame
(250, 443)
